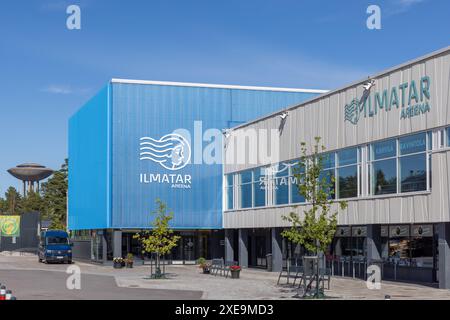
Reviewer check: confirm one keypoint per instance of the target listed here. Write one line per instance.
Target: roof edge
(216, 86)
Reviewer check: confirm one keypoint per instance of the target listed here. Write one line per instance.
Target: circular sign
(10, 226)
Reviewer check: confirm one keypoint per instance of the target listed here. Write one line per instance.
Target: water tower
(31, 174)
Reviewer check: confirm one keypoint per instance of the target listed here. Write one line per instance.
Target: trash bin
(269, 262)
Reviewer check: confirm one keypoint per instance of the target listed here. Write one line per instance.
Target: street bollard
(2, 293)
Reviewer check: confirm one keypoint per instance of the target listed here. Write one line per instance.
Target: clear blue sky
(47, 72)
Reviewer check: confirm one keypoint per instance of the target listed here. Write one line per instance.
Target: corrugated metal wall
(144, 110)
(88, 165)
(326, 118)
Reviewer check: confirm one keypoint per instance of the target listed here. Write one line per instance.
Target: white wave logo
(172, 151)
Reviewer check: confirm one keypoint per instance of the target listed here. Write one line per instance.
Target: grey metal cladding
(325, 117)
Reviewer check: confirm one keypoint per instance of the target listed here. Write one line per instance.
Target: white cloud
(65, 89)
(401, 6)
(408, 3)
(58, 89)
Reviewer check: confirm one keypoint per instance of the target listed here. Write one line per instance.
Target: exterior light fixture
(369, 84)
(284, 115)
(226, 133)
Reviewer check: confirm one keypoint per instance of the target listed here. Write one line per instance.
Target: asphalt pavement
(51, 285)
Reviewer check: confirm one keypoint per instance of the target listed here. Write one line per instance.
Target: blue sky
(47, 71)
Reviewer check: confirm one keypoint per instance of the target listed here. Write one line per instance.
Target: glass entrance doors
(188, 248)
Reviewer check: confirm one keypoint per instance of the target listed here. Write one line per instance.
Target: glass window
(229, 190)
(348, 156)
(328, 160)
(281, 184)
(246, 177)
(348, 173)
(282, 191)
(230, 198)
(348, 182)
(57, 240)
(413, 173)
(413, 144)
(259, 187)
(246, 196)
(296, 169)
(229, 180)
(422, 252)
(430, 169)
(384, 177)
(384, 149)
(448, 137)
(328, 175)
(399, 250)
(246, 192)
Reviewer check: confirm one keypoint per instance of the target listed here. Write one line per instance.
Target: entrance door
(261, 251)
(188, 248)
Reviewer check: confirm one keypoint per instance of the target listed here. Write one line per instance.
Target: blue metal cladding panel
(88, 165)
(154, 111)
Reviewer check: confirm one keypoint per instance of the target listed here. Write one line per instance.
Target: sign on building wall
(359, 231)
(399, 231)
(422, 230)
(411, 99)
(10, 226)
(343, 232)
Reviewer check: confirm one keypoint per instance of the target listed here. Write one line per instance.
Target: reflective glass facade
(395, 166)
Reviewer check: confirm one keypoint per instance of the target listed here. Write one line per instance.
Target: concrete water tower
(31, 174)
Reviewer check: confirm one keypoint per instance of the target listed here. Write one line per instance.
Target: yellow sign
(10, 226)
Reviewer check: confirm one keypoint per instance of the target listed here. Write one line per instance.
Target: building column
(373, 241)
(277, 251)
(117, 243)
(444, 255)
(243, 250)
(105, 248)
(229, 250)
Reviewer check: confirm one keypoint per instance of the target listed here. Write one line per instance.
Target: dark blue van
(54, 246)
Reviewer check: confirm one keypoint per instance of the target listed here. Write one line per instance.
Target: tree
(161, 239)
(54, 201)
(12, 204)
(318, 227)
(32, 202)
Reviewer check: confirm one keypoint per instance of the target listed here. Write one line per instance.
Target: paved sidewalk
(253, 285)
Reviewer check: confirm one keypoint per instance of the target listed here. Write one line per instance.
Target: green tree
(161, 239)
(54, 200)
(12, 204)
(32, 202)
(318, 227)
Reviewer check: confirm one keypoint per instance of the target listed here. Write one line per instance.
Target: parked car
(54, 246)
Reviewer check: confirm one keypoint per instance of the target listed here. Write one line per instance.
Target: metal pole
(395, 270)
(332, 267)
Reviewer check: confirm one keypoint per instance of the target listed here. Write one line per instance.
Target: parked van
(54, 246)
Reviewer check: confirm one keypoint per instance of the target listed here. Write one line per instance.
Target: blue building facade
(138, 141)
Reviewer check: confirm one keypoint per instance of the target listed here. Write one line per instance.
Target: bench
(219, 266)
(292, 269)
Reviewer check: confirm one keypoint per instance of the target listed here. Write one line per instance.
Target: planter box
(235, 274)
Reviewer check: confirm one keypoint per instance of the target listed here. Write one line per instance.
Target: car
(55, 246)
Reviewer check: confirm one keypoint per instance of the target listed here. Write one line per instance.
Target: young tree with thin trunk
(315, 232)
(161, 239)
